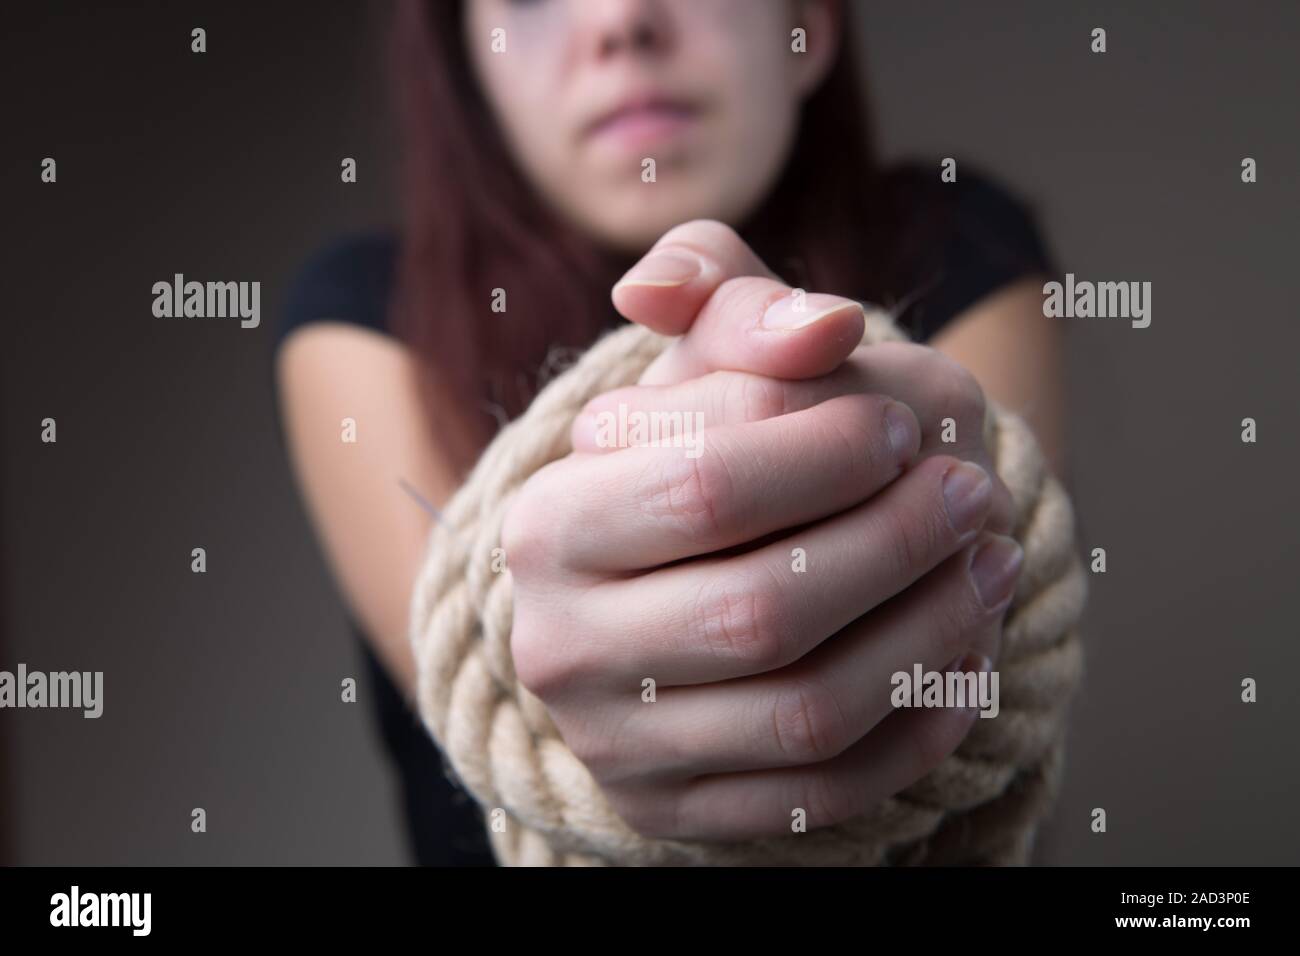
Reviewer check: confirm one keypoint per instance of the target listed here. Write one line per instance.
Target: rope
(979, 806)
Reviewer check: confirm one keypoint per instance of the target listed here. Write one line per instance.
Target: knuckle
(546, 661)
(612, 748)
(520, 535)
(900, 541)
(690, 495)
(602, 758)
(533, 668)
(652, 815)
(852, 424)
(737, 293)
(606, 738)
(910, 536)
(526, 528)
(554, 498)
(537, 667)
(757, 398)
(740, 624)
(807, 722)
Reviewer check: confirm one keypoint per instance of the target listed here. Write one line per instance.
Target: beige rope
(981, 805)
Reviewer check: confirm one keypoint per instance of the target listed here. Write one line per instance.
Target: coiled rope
(981, 805)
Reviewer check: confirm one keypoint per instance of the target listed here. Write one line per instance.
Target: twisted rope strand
(981, 805)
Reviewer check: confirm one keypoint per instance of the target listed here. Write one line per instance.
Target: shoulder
(965, 239)
(348, 279)
(333, 346)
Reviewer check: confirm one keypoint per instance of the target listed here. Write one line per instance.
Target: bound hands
(772, 681)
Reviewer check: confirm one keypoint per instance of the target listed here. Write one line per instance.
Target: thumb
(701, 281)
(667, 288)
(764, 328)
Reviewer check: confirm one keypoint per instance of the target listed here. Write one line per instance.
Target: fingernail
(994, 570)
(967, 491)
(664, 269)
(797, 312)
(900, 427)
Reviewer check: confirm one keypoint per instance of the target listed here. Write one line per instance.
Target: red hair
(473, 223)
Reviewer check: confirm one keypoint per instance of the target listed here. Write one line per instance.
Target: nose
(623, 26)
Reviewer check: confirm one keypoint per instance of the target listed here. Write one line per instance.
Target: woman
(549, 145)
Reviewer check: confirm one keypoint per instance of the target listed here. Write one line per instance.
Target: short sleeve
(981, 238)
(348, 280)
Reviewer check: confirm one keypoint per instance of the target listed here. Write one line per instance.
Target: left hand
(735, 370)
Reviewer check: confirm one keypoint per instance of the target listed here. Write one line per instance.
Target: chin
(640, 220)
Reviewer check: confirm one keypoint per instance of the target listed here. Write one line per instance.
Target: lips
(643, 118)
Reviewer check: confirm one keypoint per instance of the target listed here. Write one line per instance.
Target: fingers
(820, 706)
(947, 400)
(721, 487)
(703, 282)
(743, 806)
(764, 327)
(723, 398)
(671, 283)
(759, 611)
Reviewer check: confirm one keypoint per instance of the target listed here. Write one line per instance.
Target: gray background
(222, 690)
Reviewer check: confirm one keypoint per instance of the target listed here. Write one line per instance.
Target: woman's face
(587, 92)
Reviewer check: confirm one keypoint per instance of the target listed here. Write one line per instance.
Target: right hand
(644, 563)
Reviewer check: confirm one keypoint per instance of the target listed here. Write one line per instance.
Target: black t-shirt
(989, 239)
